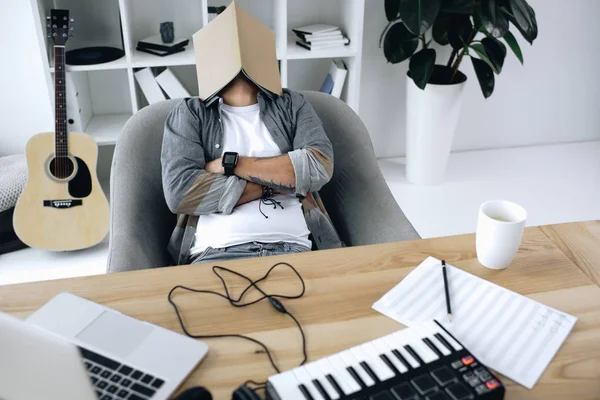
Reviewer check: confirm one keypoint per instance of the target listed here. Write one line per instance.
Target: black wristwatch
(229, 162)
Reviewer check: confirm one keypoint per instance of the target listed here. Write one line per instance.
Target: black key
(112, 389)
(122, 394)
(356, 377)
(146, 391)
(102, 384)
(106, 397)
(387, 362)
(424, 384)
(437, 396)
(116, 378)
(134, 396)
(98, 359)
(147, 378)
(321, 389)
(404, 391)
(335, 385)
(157, 383)
(382, 396)
(98, 393)
(94, 380)
(443, 375)
(413, 353)
(95, 370)
(136, 374)
(125, 370)
(444, 342)
(432, 347)
(125, 382)
(88, 365)
(105, 374)
(402, 359)
(305, 392)
(369, 371)
(458, 391)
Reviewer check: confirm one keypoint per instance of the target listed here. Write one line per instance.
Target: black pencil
(448, 308)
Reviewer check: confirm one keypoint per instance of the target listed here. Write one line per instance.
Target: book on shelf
(160, 53)
(152, 92)
(320, 36)
(171, 85)
(213, 11)
(155, 43)
(335, 78)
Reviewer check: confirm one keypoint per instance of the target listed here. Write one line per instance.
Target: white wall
(554, 97)
(24, 105)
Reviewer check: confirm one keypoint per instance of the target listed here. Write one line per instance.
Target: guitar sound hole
(61, 167)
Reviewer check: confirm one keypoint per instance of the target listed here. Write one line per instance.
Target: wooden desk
(580, 241)
(336, 310)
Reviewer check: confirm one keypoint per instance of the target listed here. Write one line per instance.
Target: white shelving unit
(111, 89)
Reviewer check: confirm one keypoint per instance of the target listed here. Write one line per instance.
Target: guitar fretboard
(61, 146)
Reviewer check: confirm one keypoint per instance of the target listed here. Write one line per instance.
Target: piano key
(351, 361)
(457, 346)
(399, 340)
(382, 346)
(432, 346)
(335, 384)
(370, 372)
(363, 354)
(286, 386)
(421, 348)
(356, 377)
(304, 379)
(316, 374)
(335, 366)
(305, 392)
(413, 353)
(321, 389)
(379, 367)
(444, 342)
(445, 351)
(430, 331)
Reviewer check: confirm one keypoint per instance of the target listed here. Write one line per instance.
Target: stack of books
(320, 36)
(155, 45)
(158, 84)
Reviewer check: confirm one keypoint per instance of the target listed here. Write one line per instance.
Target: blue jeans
(247, 250)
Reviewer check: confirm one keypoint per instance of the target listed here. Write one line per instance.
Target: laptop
(72, 348)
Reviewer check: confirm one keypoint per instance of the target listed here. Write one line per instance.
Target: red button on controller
(492, 384)
(468, 360)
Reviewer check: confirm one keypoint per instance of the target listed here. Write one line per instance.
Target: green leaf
(440, 29)
(496, 51)
(494, 20)
(523, 17)
(421, 67)
(459, 30)
(512, 43)
(392, 8)
(419, 15)
(480, 50)
(485, 76)
(399, 43)
(458, 6)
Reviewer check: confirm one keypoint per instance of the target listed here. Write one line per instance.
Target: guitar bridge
(62, 203)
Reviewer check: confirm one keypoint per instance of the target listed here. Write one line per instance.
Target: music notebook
(510, 333)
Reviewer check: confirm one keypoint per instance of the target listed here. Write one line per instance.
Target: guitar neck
(61, 144)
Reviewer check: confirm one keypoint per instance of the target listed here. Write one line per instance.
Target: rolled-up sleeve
(188, 188)
(312, 157)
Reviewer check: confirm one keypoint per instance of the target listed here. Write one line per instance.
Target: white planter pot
(431, 119)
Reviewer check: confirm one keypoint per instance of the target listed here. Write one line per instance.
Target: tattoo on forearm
(277, 186)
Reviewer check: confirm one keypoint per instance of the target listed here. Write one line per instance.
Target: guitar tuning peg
(72, 19)
(70, 36)
(47, 17)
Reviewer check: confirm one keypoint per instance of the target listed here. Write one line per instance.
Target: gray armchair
(357, 198)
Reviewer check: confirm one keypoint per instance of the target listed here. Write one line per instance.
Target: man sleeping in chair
(242, 163)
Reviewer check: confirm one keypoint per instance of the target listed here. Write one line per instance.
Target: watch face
(229, 159)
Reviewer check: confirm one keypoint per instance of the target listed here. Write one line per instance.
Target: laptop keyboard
(113, 380)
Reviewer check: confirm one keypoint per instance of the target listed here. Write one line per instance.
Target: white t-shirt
(245, 133)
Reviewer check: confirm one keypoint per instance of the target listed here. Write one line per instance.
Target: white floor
(558, 183)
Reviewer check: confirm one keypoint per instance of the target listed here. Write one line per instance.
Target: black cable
(238, 303)
(268, 201)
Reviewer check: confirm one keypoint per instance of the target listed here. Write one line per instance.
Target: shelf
(121, 63)
(295, 52)
(139, 59)
(105, 128)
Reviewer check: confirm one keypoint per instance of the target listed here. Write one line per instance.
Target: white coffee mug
(499, 232)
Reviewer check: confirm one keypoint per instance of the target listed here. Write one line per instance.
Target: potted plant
(475, 29)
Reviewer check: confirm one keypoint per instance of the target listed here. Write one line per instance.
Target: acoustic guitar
(62, 206)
